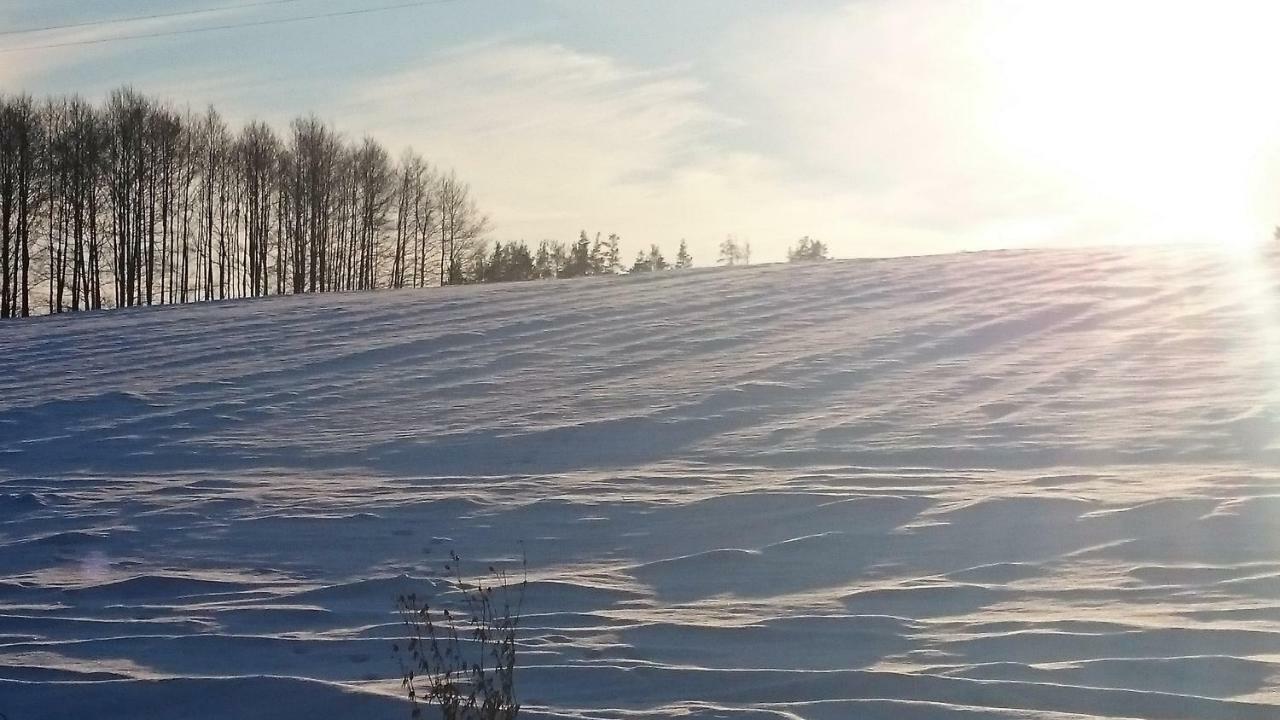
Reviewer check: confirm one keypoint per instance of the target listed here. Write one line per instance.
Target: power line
(155, 16)
(230, 26)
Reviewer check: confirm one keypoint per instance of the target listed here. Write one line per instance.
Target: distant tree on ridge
(683, 259)
(807, 249)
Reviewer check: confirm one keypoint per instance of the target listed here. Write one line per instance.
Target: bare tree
(21, 195)
(77, 156)
(315, 157)
(374, 179)
(461, 226)
(257, 153)
(135, 203)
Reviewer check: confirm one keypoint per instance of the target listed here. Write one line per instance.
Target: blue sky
(884, 127)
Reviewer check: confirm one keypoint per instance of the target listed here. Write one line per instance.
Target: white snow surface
(996, 485)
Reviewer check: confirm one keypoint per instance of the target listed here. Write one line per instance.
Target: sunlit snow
(999, 485)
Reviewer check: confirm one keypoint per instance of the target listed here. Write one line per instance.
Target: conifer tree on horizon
(613, 255)
(733, 253)
(683, 259)
(807, 249)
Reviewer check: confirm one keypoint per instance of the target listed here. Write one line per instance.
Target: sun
(1158, 111)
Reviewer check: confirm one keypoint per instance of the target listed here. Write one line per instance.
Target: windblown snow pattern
(996, 485)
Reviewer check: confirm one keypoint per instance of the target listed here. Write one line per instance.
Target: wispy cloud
(881, 126)
(553, 138)
(556, 140)
(559, 106)
(28, 58)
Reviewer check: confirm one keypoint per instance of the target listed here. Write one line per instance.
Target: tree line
(137, 203)
(134, 202)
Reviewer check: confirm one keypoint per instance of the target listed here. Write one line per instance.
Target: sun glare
(1162, 115)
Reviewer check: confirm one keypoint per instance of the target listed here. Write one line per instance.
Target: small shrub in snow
(463, 659)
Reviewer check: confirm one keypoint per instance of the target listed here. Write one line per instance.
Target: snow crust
(998, 485)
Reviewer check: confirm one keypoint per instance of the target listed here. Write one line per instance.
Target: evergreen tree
(543, 265)
(520, 263)
(656, 261)
(683, 259)
(807, 250)
(731, 253)
(492, 270)
(598, 258)
(650, 261)
(579, 262)
(457, 273)
(559, 258)
(613, 255)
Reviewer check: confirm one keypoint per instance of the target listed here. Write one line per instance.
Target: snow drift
(999, 485)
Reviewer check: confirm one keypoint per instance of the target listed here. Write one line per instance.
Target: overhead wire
(228, 26)
(153, 16)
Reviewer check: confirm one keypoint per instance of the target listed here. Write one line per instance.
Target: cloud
(21, 69)
(56, 59)
(556, 140)
(558, 107)
(883, 127)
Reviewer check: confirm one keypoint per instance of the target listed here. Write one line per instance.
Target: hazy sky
(884, 127)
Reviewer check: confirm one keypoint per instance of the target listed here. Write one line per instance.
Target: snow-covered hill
(1002, 485)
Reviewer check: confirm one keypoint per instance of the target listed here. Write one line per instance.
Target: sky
(882, 127)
